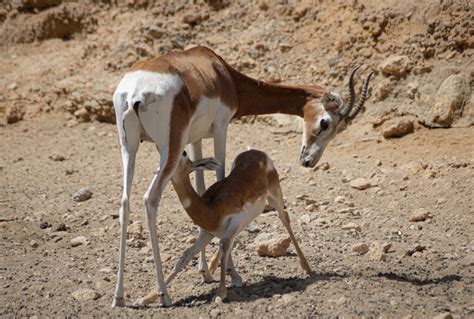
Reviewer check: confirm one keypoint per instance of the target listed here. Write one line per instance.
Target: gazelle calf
(227, 207)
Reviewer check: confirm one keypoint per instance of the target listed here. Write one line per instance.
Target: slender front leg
(128, 147)
(285, 219)
(234, 275)
(220, 139)
(203, 239)
(195, 151)
(226, 245)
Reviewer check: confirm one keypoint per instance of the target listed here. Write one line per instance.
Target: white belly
(237, 222)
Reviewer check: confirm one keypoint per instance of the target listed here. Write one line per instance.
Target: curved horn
(361, 99)
(348, 107)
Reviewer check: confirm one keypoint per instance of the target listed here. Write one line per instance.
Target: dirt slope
(61, 61)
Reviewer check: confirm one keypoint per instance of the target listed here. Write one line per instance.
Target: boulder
(450, 99)
(397, 127)
(397, 65)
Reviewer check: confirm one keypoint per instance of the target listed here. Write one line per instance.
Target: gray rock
(263, 237)
(82, 195)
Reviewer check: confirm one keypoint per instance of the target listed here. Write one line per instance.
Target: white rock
(339, 199)
(377, 252)
(351, 226)
(450, 98)
(79, 240)
(82, 195)
(397, 65)
(85, 294)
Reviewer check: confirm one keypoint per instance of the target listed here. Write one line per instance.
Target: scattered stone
(82, 195)
(262, 5)
(79, 240)
(397, 127)
(351, 226)
(377, 252)
(339, 199)
(190, 240)
(106, 270)
(252, 228)
(12, 86)
(62, 227)
(45, 225)
(384, 88)
(273, 247)
(135, 230)
(395, 65)
(420, 215)
(311, 207)
(215, 312)
(178, 42)
(85, 294)
(445, 315)
(156, 32)
(360, 183)
(34, 243)
(14, 114)
(386, 247)
(450, 98)
(417, 248)
(360, 248)
(305, 219)
(324, 166)
(286, 300)
(56, 157)
(263, 237)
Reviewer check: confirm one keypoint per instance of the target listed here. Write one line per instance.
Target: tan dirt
(60, 64)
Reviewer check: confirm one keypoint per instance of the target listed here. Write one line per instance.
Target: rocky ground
(386, 222)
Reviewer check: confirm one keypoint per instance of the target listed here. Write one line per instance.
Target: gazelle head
(187, 166)
(323, 118)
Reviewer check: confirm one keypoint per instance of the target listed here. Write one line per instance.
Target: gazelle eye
(324, 124)
(184, 153)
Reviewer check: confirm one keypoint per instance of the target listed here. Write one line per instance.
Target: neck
(194, 205)
(258, 97)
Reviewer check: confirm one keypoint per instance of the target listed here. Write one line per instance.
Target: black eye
(184, 153)
(324, 124)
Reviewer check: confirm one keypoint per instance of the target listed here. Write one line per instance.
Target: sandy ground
(431, 170)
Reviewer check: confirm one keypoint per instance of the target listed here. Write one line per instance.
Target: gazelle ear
(331, 102)
(209, 164)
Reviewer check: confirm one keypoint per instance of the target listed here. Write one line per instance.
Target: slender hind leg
(128, 146)
(234, 275)
(203, 239)
(275, 198)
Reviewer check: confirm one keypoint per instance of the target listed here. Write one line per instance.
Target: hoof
(165, 300)
(118, 302)
(237, 282)
(206, 278)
